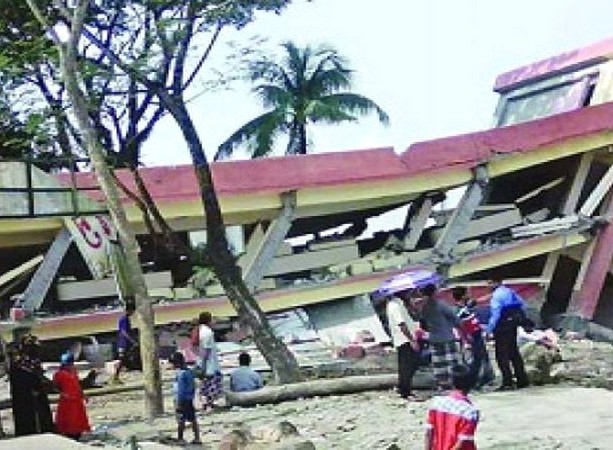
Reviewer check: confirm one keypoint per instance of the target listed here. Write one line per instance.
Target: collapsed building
(535, 207)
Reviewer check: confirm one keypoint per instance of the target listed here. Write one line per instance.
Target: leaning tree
(168, 30)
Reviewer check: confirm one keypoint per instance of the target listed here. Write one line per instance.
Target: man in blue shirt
(244, 378)
(507, 312)
(125, 340)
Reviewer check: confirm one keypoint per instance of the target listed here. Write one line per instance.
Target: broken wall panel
(485, 225)
(338, 322)
(517, 185)
(311, 260)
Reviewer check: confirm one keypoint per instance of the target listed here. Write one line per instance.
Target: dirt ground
(572, 414)
(551, 417)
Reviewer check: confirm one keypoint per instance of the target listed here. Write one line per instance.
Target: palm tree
(310, 85)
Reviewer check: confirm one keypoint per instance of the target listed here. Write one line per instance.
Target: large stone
(539, 361)
(236, 440)
(275, 432)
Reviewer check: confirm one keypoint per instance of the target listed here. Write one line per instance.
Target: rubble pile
(585, 363)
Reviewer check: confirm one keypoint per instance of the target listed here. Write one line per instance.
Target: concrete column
(417, 222)
(39, 285)
(587, 298)
(275, 234)
(462, 215)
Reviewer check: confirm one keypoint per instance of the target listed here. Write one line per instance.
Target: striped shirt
(452, 419)
(468, 321)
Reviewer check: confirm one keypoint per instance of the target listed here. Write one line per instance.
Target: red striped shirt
(468, 321)
(452, 419)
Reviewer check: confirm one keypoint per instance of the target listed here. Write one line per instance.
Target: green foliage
(203, 274)
(15, 137)
(309, 85)
(153, 37)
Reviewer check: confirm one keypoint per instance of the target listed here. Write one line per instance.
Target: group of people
(29, 389)
(451, 420)
(411, 314)
(208, 370)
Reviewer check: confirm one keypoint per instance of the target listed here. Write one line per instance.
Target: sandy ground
(550, 417)
(570, 415)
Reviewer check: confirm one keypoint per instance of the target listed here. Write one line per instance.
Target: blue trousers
(480, 366)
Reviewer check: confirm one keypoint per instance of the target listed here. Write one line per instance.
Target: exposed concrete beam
(275, 234)
(539, 190)
(581, 174)
(599, 192)
(417, 222)
(541, 245)
(570, 206)
(598, 266)
(20, 270)
(579, 280)
(550, 267)
(296, 296)
(492, 223)
(461, 216)
(107, 287)
(254, 242)
(41, 281)
(310, 260)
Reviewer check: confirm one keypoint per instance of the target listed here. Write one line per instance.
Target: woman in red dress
(71, 417)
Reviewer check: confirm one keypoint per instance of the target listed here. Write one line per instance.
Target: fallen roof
(265, 175)
(334, 183)
(471, 149)
(282, 299)
(438, 157)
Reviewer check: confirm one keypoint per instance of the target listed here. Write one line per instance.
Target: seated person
(244, 378)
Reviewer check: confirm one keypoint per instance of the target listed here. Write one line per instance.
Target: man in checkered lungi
(440, 320)
(211, 388)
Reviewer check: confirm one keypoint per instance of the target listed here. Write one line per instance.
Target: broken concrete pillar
(456, 227)
(274, 237)
(586, 300)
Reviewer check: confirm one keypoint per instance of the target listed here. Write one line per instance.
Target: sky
(429, 64)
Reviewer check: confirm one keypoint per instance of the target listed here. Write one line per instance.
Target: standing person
(507, 313)
(211, 388)
(480, 366)
(452, 419)
(70, 418)
(440, 320)
(244, 378)
(185, 390)
(28, 388)
(402, 330)
(194, 337)
(125, 340)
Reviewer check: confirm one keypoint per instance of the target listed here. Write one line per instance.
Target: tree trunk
(151, 368)
(281, 360)
(334, 386)
(174, 245)
(139, 204)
